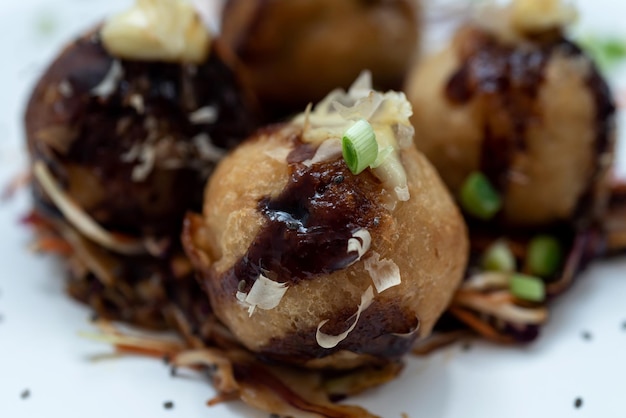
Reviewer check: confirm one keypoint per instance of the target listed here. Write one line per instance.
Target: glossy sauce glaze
(307, 226)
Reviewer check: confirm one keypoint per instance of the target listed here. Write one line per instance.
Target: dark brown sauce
(309, 224)
(374, 335)
(507, 78)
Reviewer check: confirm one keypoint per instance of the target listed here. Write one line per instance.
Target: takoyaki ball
(310, 264)
(295, 52)
(129, 121)
(514, 98)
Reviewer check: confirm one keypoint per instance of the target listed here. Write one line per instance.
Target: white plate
(40, 351)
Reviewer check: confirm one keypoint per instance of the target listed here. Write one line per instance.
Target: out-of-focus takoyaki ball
(295, 52)
(129, 120)
(513, 98)
(311, 264)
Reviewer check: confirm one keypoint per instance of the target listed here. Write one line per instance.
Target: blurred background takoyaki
(513, 98)
(123, 129)
(295, 52)
(520, 124)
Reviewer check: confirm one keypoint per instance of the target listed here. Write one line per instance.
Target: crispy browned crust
(425, 237)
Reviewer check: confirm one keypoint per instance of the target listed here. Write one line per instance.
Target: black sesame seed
(624, 325)
(338, 179)
(466, 346)
(94, 317)
(168, 405)
(241, 286)
(166, 359)
(173, 371)
(274, 416)
(376, 221)
(586, 335)
(25, 394)
(578, 402)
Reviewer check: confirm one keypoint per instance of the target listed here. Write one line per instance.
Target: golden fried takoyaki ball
(294, 52)
(308, 263)
(513, 98)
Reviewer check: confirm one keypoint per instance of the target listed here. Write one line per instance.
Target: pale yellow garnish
(158, 30)
(540, 15)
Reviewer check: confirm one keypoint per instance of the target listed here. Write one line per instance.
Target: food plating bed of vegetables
(293, 202)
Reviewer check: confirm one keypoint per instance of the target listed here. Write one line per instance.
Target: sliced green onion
(607, 52)
(359, 145)
(544, 256)
(383, 153)
(499, 257)
(479, 198)
(528, 288)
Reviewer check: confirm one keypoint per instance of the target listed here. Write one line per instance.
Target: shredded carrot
(51, 244)
(438, 341)
(223, 397)
(35, 219)
(143, 351)
(496, 298)
(479, 326)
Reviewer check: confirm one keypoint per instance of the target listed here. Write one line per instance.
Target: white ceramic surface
(41, 352)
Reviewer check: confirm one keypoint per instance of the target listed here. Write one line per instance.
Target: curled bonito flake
(360, 242)
(388, 114)
(340, 109)
(384, 273)
(111, 80)
(203, 115)
(330, 341)
(265, 294)
(329, 149)
(80, 219)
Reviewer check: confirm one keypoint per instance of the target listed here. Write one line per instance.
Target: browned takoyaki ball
(525, 106)
(295, 52)
(275, 220)
(132, 142)
(123, 129)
